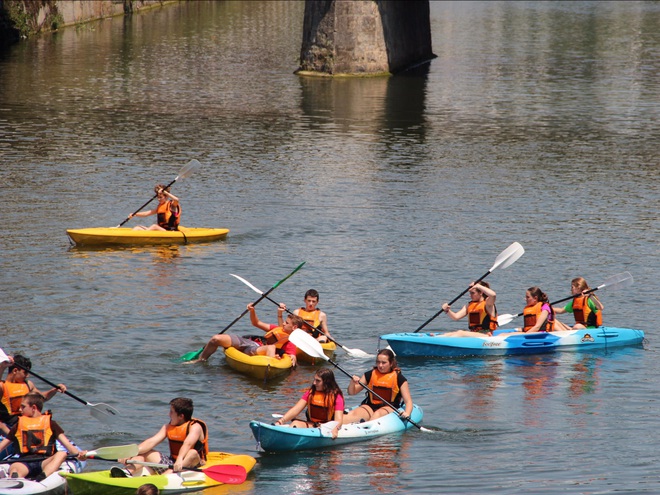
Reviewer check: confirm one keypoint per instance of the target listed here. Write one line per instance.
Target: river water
(536, 123)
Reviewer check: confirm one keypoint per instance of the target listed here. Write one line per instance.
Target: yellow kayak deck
(124, 236)
(262, 367)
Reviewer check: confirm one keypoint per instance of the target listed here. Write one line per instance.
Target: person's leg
(219, 340)
(53, 463)
(359, 414)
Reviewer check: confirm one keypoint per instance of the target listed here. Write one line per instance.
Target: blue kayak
(275, 438)
(435, 345)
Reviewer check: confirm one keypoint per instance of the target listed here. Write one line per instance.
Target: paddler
(386, 380)
(481, 312)
(313, 317)
(538, 315)
(34, 436)
(15, 387)
(168, 211)
(276, 338)
(324, 402)
(585, 306)
(187, 437)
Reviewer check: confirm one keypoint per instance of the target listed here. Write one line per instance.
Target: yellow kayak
(100, 482)
(329, 349)
(262, 367)
(123, 236)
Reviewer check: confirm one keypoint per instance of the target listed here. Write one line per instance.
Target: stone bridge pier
(364, 37)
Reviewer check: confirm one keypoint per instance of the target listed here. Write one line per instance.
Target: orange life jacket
(386, 385)
(277, 336)
(478, 318)
(35, 435)
(531, 314)
(583, 313)
(169, 214)
(12, 397)
(311, 317)
(321, 407)
(177, 435)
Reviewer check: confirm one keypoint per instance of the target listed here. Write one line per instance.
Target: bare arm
(354, 386)
(454, 315)
(293, 412)
(256, 321)
(407, 398)
(195, 434)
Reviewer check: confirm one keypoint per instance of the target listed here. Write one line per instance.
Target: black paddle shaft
(263, 296)
(52, 384)
(380, 397)
(452, 302)
(141, 207)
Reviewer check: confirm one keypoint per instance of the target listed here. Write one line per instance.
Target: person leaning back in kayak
(585, 306)
(15, 387)
(276, 338)
(34, 437)
(168, 211)
(324, 402)
(313, 317)
(481, 312)
(386, 380)
(187, 437)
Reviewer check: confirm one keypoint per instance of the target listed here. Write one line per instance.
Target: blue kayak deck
(437, 345)
(274, 438)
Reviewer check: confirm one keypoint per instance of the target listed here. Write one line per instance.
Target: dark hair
(390, 357)
(35, 399)
(147, 489)
(329, 382)
(542, 297)
(20, 362)
(158, 187)
(182, 405)
(312, 293)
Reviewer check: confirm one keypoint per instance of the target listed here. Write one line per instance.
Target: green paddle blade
(191, 356)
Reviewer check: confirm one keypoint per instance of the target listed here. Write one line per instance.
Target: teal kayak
(437, 345)
(275, 438)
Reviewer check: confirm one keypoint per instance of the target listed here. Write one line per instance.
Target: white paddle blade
(103, 412)
(189, 169)
(4, 357)
(114, 452)
(508, 257)
(505, 319)
(357, 352)
(308, 344)
(248, 284)
(618, 281)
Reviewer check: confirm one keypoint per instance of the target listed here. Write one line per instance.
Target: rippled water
(537, 123)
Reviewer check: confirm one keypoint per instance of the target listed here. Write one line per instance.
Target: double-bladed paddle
(351, 352)
(617, 281)
(311, 346)
(230, 474)
(505, 259)
(191, 356)
(188, 169)
(102, 412)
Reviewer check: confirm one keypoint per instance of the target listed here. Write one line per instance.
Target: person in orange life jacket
(324, 402)
(538, 315)
(387, 381)
(34, 436)
(314, 316)
(15, 387)
(587, 308)
(481, 312)
(168, 211)
(277, 338)
(188, 440)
